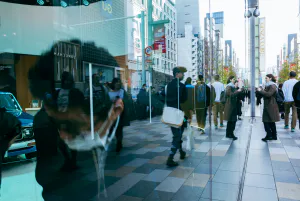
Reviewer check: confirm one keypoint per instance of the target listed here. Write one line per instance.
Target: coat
(189, 104)
(296, 94)
(231, 110)
(271, 111)
(172, 94)
(202, 105)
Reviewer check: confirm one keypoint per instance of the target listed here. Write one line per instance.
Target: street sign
(148, 50)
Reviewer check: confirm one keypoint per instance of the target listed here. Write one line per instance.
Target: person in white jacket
(289, 101)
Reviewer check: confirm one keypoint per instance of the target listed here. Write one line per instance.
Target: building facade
(292, 49)
(228, 53)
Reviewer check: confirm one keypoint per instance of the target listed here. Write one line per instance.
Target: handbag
(172, 116)
(190, 143)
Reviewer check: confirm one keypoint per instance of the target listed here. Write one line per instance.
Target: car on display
(24, 143)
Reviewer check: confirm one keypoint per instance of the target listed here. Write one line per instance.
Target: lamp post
(252, 13)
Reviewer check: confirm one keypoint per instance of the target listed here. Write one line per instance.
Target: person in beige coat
(230, 111)
(271, 110)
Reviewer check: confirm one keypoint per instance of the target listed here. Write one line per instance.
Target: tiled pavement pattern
(210, 172)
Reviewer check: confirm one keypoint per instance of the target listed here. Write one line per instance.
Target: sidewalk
(214, 170)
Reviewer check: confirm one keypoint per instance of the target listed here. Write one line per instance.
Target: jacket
(230, 111)
(189, 104)
(173, 88)
(271, 111)
(296, 94)
(200, 105)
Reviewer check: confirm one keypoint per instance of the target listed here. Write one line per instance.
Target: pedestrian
(239, 101)
(10, 129)
(287, 89)
(296, 96)
(281, 105)
(218, 108)
(143, 102)
(230, 111)
(270, 111)
(188, 105)
(116, 93)
(202, 102)
(175, 90)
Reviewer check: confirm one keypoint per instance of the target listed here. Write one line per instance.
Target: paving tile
(198, 155)
(182, 172)
(188, 193)
(222, 147)
(227, 177)
(121, 172)
(170, 184)
(198, 180)
(190, 162)
(127, 198)
(216, 153)
(160, 149)
(277, 151)
(142, 189)
(151, 146)
(137, 162)
(159, 196)
(288, 190)
(260, 181)
(285, 199)
(282, 166)
(159, 160)
(297, 170)
(158, 175)
(148, 168)
(232, 166)
(280, 157)
(257, 168)
(142, 151)
(286, 177)
(226, 192)
(212, 160)
(259, 194)
(206, 169)
(295, 162)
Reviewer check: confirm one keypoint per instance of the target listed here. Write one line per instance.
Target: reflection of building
(189, 41)
(292, 47)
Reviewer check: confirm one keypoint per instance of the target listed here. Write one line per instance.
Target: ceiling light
(85, 2)
(40, 2)
(63, 3)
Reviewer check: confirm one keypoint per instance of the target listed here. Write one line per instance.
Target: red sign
(148, 51)
(160, 37)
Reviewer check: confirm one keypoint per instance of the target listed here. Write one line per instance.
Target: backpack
(280, 97)
(201, 93)
(223, 97)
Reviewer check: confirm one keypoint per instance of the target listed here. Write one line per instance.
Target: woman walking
(271, 111)
(231, 109)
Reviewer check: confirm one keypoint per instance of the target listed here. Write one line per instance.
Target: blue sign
(106, 9)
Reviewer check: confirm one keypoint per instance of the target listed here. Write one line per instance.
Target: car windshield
(9, 102)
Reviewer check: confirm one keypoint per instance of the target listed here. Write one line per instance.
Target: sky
(281, 20)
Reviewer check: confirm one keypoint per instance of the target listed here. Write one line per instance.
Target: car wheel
(30, 155)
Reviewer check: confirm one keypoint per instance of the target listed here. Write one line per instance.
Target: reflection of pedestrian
(239, 101)
(230, 111)
(176, 89)
(202, 99)
(270, 112)
(143, 101)
(10, 128)
(218, 108)
(188, 105)
(281, 105)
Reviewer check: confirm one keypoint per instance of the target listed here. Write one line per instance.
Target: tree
(225, 73)
(284, 72)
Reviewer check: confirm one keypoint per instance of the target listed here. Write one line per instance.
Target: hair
(217, 77)
(200, 77)
(65, 76)
(114, 81)
(236, 82)
(280, 85)
(144, 85)
(273, 79)
(293, 74)
(188, 81)
(230, 78)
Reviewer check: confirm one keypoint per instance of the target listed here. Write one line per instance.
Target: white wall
(33, 29)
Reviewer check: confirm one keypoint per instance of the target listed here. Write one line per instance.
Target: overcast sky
(281, 20)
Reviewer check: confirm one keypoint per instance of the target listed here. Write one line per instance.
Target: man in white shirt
(289, 101)
(218, 107)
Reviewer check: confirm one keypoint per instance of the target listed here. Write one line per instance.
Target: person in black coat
(176, 89)
(296, 96)
(240, 99)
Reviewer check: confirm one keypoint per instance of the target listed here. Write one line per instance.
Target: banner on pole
(160, 38)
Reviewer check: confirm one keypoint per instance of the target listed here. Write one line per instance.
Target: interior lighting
(63, 4)
(85, 2)
(40, 2)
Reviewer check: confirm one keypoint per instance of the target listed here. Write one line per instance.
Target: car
(24, 143)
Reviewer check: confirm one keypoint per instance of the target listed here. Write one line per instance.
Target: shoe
(221, 125)
(286, 127)
(239, 118)
(216, 127)
(119, 147)
(228, 136)
(171, 162)
(202, 131)
(282, 116)
(234, 138)
(274, 138)
(182, 155)
(267, 138)
(293, 130)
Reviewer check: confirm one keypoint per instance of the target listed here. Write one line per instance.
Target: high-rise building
(228, 53)
(190, 43)
(292, 50)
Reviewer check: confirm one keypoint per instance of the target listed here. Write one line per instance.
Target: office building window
(160, 3)
(157, 61)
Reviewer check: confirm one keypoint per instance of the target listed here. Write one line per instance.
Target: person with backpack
(271, 111)
(174, 90)
(230, 111)
(287, 89)
(218, 108)
(202, 102)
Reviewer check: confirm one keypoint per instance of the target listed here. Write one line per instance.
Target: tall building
(228, 53)
(292, 50)
(189, 38)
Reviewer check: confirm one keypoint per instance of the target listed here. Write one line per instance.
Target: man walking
(218, 108)
(173, 88)
(289, 101)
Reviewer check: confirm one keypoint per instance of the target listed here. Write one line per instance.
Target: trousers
(230, 128)
(177, 140)
(287, 107)
(270, 128)
(218, 108)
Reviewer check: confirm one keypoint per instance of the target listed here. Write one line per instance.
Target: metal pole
(143, 46)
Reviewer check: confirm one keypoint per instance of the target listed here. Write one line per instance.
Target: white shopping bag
(190, 138)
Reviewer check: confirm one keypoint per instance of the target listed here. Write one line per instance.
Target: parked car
(25, 143)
